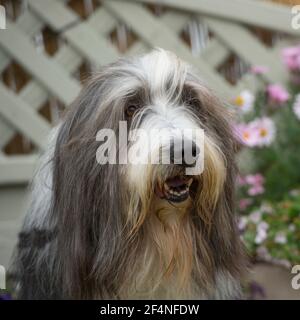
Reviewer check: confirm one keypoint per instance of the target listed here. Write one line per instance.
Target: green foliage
(270, 215)
(283, 220)
(280, 162)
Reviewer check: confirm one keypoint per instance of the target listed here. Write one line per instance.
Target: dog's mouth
(175, 189)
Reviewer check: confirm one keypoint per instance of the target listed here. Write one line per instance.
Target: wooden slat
(175, 20)
(102, 21)
(4, 60)
(35, 95)
(256, 13)
(248, 47)
(21, 116)
(17, 169)
(57, 81)
(90, 45)
(51, 12)
(82, 37)
(30, 24)
(156, 34)
(215, 53)
(6, 132)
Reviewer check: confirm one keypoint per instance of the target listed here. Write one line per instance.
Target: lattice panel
(53, 45)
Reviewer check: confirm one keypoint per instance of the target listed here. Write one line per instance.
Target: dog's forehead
(162, 69)
(160, 60)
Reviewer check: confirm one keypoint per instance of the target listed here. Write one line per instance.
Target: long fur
(99, 231)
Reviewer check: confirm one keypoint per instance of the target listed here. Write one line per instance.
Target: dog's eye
(130, 110)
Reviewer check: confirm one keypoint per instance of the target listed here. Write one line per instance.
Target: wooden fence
(53, 45)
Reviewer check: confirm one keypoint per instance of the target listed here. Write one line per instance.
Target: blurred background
(248, 51)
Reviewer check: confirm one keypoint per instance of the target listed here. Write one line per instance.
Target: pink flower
(277, 94)
(254, 179)
(255, 182)
(259, 70)
(246, 134)
(260, 132)
(257, 133)
(291, 58)
(265, 131)
(255, 190)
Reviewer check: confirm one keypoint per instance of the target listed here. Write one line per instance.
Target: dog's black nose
(184, 154)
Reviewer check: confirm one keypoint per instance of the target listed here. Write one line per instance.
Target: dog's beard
(168, 250)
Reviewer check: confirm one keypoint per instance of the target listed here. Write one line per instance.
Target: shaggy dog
(134, 231)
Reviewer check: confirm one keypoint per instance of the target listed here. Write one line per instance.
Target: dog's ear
(224, 238)
(86, 204)
(225, 235)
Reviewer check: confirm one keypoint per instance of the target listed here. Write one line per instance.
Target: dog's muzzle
(175, 189)
(178, 187)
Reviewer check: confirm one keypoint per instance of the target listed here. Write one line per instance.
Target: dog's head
(143, 193)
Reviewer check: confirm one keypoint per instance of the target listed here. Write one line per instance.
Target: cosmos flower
(245, 134)
(291, 58)
(244, 101)
(257, 133)
(277, 94)
(265, 131)
(255, 190)
(296, 106)
(254, 179)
